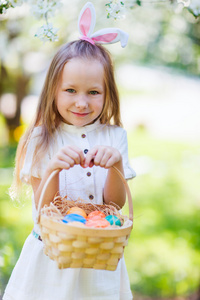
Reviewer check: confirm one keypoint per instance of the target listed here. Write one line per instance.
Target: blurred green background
(159, 84)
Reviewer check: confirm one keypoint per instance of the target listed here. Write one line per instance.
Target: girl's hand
(66, 158)
(103, 156)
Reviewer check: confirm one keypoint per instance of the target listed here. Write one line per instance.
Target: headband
(86, 24)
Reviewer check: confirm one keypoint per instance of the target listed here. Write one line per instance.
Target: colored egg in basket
(74, 218)
(75, 224)
(98, 223)
(77, 210)
(113, 220)
(96, 215)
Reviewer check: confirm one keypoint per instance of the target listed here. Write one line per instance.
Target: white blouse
(35, 276)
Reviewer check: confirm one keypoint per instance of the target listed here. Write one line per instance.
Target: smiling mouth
(79, 114)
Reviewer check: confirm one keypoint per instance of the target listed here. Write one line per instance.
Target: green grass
(163, 252)
(16, 224)
(7, 156)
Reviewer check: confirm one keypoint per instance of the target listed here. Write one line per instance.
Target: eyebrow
(71, 85)
(68, 83)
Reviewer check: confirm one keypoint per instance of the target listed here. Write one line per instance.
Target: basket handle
(130, 203)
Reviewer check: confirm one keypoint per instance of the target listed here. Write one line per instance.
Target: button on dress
(36, 276)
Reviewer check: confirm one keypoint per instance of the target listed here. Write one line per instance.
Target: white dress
(36, 276)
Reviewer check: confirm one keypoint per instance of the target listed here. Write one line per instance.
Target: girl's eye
(70, 90)
(94, 92)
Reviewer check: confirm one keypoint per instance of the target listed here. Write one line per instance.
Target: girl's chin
(78, 124)
(81, 123)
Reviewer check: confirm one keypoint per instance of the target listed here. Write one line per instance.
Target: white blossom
(4, 5)
(15, 3)
(195, 7)
(47, 33)
(184, 2)
(42, 8)
(115, 9)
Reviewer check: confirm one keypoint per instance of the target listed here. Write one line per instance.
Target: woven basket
(78, 247)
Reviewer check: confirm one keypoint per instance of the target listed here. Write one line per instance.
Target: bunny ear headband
(86, 24)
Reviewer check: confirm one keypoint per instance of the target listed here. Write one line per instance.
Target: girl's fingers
(58, 164)
(102, 156)
(64, 165)
(99, 156)
(89, 159)
(67, 159)
(75, 153)
(110, 162)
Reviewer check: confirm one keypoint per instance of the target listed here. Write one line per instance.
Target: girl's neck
(72, 128)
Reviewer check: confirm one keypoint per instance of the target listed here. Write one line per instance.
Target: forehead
(83, 68)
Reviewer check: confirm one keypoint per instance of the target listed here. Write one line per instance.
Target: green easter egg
(113, 220)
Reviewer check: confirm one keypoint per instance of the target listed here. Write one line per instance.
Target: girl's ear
(110, 35)
(87, 20)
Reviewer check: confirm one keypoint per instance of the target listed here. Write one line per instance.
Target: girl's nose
(81, 102)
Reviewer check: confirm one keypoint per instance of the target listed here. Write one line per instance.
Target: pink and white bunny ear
(87, 20)
(86, 24)
(110, 36)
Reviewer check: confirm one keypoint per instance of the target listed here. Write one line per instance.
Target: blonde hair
(47, 114)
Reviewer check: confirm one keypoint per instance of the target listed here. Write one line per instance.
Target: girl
(72, 132)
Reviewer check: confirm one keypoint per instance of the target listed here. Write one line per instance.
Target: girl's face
(81, 92)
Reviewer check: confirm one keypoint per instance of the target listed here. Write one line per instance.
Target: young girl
(72, 132)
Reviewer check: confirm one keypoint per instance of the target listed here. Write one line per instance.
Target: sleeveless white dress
(36, 276)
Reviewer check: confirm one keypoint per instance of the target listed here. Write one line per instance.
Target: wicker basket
(81, 247)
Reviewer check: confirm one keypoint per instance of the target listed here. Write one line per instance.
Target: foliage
(163, 252)
(15, 226)
(7, 156)
(45, 9)
(166, 40)
(117, 9)
(41, 9)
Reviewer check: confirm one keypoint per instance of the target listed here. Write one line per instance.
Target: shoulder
(114, 130)
(37, 132)
(111, 128)
(112, 135)
(34, 137)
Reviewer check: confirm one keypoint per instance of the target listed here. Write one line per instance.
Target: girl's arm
(65, 158)
(114, 190)
(106, 157)
(38, 184)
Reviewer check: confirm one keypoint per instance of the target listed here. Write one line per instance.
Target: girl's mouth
(79, 114)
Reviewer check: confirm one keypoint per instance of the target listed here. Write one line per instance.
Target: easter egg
(113, 220)
(95, 215)
(77, 210)
(98, 223)
(74, 218)
(76, 224)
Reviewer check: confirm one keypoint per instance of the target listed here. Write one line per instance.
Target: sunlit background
(159, 84)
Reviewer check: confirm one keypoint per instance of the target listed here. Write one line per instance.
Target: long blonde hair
(47, 114)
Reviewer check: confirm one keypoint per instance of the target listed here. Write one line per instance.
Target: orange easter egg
(96, 215)
(98, 223)
(77, 210)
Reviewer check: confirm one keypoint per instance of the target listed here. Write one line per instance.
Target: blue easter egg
(113, 220)
(74, 218)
